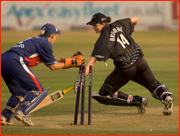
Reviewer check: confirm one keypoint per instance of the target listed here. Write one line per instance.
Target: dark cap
(50, 29)
(97, 18)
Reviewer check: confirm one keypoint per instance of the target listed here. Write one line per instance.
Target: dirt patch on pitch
(122, 120)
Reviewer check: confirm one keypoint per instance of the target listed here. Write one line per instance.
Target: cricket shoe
(19, 115)
(168, 105)
(142, 107)
(4, 121)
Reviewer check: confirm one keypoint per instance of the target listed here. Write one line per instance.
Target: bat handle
(67, 90)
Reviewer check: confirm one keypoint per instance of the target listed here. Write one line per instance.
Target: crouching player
(27, 91)
(115, 42)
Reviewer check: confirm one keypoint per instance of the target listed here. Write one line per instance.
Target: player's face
(54, 37)
(98, 27)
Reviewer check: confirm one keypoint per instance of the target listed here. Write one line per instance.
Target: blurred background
(68, 15)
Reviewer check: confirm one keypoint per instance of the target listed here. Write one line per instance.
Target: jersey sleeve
(126, 23)
(46, 53)
(101, 48)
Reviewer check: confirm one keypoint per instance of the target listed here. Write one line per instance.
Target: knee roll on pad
(107, 90)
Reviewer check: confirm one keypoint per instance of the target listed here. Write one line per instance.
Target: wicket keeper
(21, 81)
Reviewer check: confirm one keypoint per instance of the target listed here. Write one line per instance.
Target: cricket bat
(52, 98)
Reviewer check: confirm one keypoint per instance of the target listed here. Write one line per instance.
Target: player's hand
(75, 61)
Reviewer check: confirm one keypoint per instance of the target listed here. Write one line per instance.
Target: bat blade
(51, 98)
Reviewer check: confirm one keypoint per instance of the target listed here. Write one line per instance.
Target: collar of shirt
(104, 28)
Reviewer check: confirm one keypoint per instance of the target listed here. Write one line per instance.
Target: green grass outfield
(161, 49)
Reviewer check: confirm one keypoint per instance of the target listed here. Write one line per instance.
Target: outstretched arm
(91, 62)
(66, 62)
(134, 20)
(56, 66)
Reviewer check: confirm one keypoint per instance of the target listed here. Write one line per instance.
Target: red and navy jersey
(115, 42)
(34, 51)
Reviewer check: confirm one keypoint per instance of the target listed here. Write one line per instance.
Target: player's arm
(66, 62)
(91, 62)
(56, 66)
(134, 20)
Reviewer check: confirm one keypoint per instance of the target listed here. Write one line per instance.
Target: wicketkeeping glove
(75, 61)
